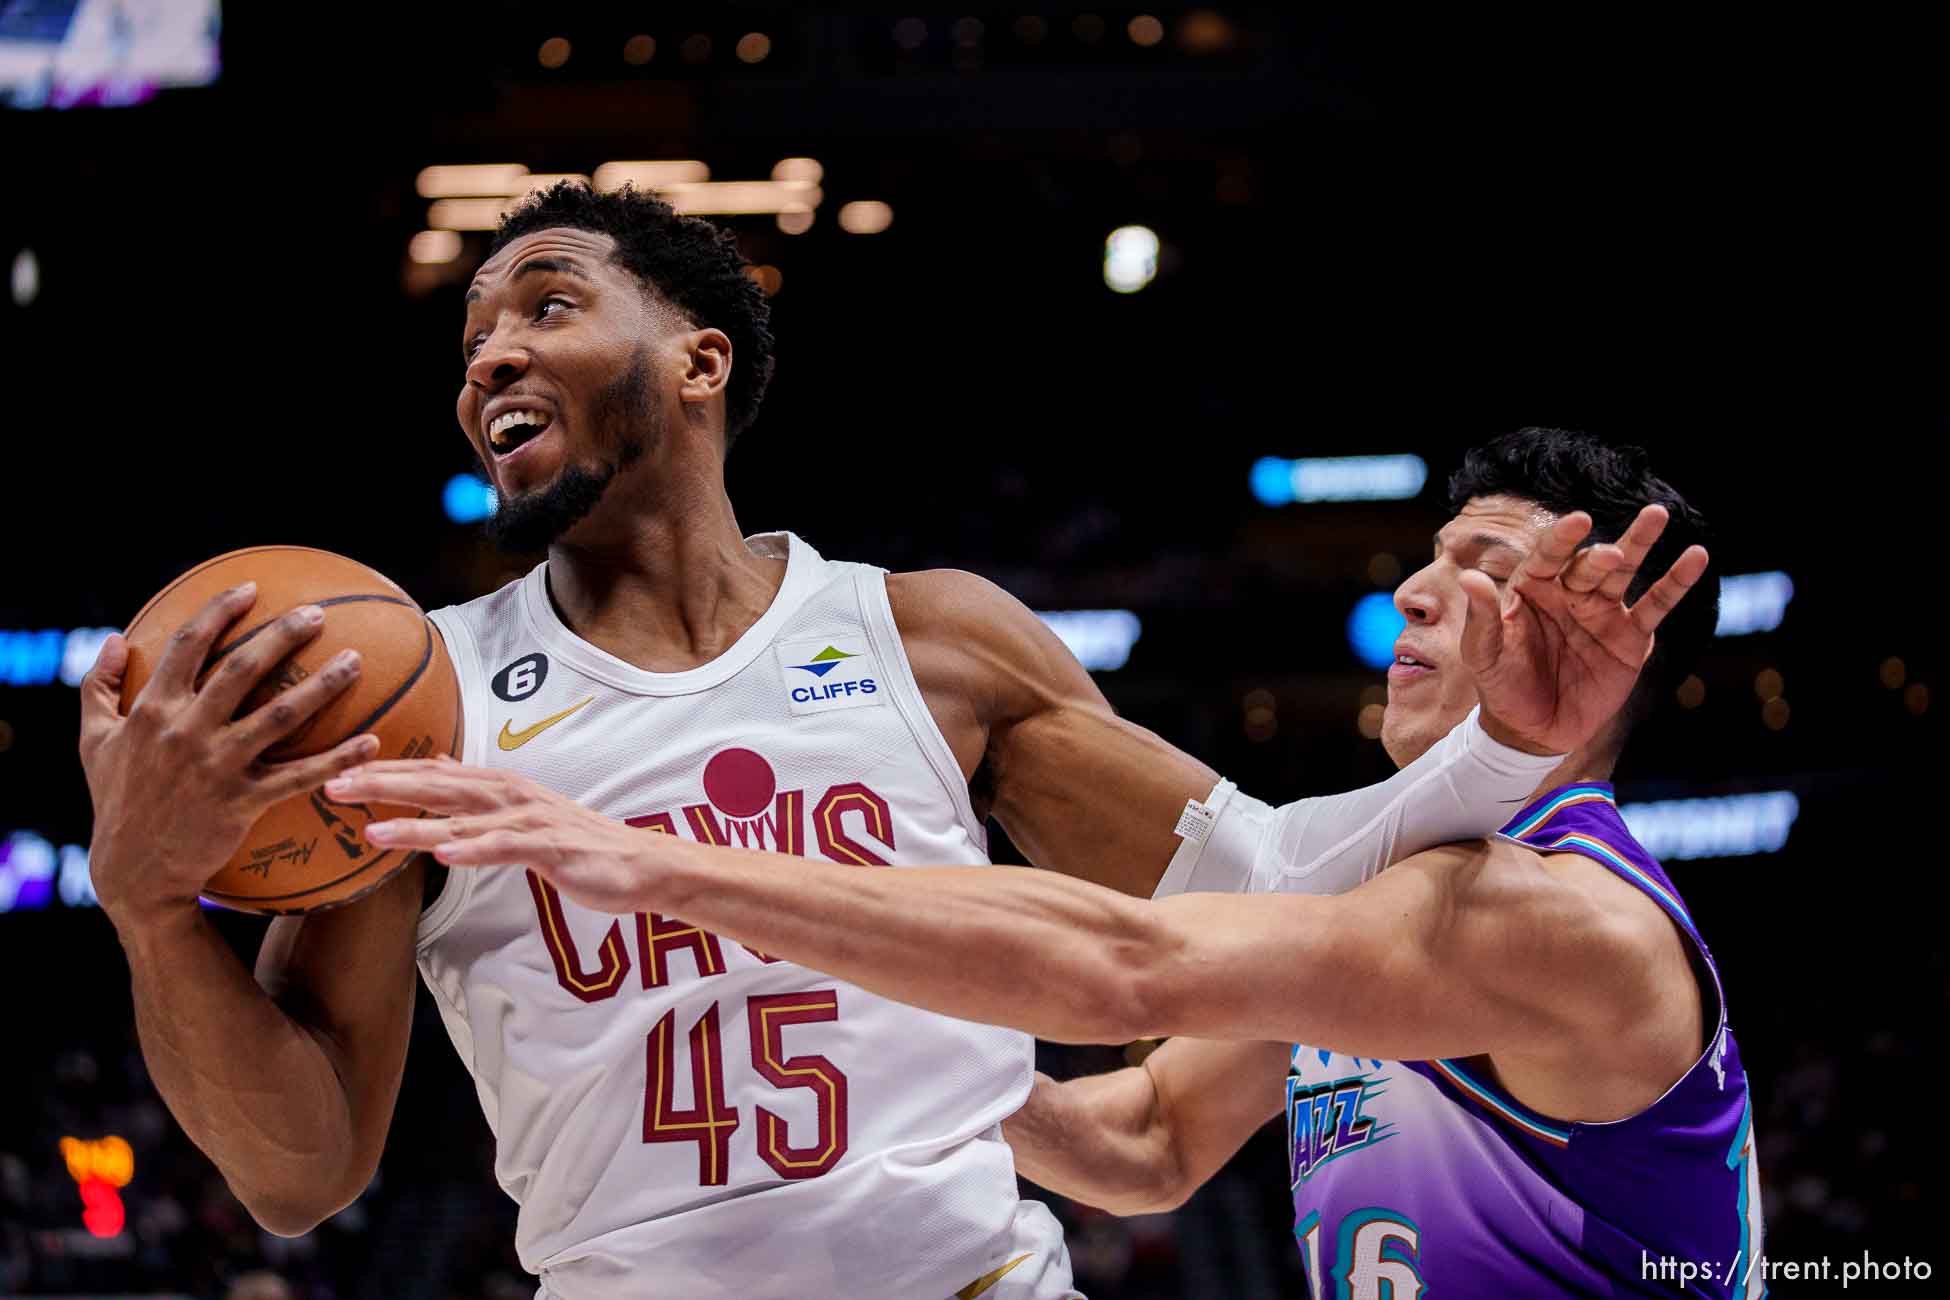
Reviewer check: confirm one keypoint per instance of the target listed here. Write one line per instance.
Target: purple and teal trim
(1578, 841)
(1508, 1112)
(1567, 797)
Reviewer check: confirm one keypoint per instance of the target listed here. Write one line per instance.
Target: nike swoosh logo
(987, 1280)
(512, 739)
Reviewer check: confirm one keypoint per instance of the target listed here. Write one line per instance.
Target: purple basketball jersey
(1415, 1178)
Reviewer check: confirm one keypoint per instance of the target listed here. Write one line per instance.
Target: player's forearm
(1465, 787)
(1074, 962)
(1012, 946)
(252, 1088)
(1099, 1140)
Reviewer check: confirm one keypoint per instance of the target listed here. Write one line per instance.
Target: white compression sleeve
(1465, 787)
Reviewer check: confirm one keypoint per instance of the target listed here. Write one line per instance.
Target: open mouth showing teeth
(1411, 661)
(512, 429)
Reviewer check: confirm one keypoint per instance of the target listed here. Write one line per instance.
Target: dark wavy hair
(1563, 470)
(692, 264)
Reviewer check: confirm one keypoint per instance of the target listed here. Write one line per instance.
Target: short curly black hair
(694, 265)
(1564, 470)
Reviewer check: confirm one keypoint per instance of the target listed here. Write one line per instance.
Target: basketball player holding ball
(675, 1113)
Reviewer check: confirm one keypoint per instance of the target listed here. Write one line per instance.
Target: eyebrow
(1486, 542)
(536, 266)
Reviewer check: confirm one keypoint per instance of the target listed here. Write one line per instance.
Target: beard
(625, 427)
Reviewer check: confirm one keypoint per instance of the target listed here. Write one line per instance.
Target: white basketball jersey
(676, 1114)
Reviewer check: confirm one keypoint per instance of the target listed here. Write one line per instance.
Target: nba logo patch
(829, 673)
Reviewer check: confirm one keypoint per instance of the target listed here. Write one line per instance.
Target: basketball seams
(399, 693)
(326, 603)
(249, 550)
(227, 899)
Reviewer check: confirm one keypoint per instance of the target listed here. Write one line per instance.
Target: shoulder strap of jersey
(877, 618)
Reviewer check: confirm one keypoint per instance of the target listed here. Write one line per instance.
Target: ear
(707, 368)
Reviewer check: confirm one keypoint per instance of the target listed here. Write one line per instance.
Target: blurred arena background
(1172, 321)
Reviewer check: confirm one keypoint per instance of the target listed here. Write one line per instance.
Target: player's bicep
(346, 975)
(1394, 969)
(1458, 951)
(1079, 789)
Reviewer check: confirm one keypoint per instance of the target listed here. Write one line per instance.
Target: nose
(499, 363)
(1419, 597)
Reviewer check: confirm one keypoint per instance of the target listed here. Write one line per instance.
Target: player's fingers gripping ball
(309, 851)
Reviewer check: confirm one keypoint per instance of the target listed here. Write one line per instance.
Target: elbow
(284, 1216)
(1169, 1192)
(295, 1211)
(1158, 1186)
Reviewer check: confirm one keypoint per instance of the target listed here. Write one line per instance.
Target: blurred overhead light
(1145, 30)
(1277, 481)
(865, 217)
(753, 47)
(467, 499)
(910, 33)
(1733, 826)
(1031, 29)
(554, 52)
(732, 198)
(650, 175)
(1089, 28)
(1101, 639)
(1204, 32)
(1753, 602)
(767, 278)
(467, 214)
(433, 247)
(696, 48)
(639, 50)
(26, 278)
(1130, 258)
(795, 223)
(464, 180)
(1692, 692)
(1372, 628)
(806, 171)
(548, 180)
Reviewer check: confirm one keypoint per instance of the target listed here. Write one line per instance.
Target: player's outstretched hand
(177, 783)
(490, 816)
(1557, 653)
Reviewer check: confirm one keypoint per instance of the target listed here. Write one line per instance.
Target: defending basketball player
(1511, 1072)
(645, 1077)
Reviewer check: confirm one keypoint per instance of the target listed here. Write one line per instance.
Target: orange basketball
(309, 852)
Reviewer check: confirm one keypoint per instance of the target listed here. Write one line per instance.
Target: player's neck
(1588, 764)
(673, 589)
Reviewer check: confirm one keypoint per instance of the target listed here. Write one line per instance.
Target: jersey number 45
(710, 1120)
